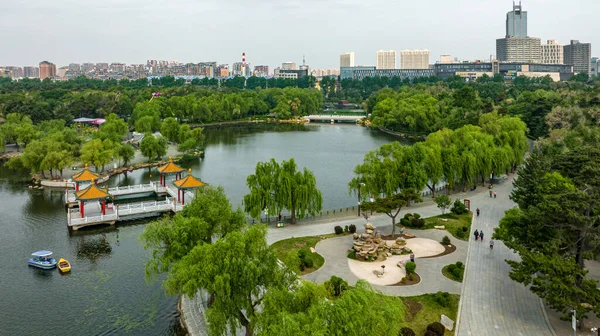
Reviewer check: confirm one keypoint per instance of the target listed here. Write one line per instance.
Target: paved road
(492, 303)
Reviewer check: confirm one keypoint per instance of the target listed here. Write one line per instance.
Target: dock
(125, 192)
(130, 211)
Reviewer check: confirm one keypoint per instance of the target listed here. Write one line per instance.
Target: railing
(143, 207)
(75, 220)
(132, 189)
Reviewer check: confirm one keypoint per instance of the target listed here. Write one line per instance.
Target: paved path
(492, 303)
(430, 269)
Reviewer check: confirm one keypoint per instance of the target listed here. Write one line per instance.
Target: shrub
(336, 286)
(451, 268)
(460, 234)
(442, 298)
(406, 331)
(407, 216)
(417, 222)
(446, 240)
(306, 259)
(457, 272)
(410, 267)
(430, 333)
(416, 215)
(352, 228)
(437, 328)
(459, 264)
(338, 230)
(346, 229)
(405, 222)
(464, 229)
(458, 207)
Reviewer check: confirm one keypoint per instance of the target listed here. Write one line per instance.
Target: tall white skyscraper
(386, 59)
(414, 59)
(347, 59)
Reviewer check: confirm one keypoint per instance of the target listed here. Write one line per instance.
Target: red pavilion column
(178, 194)
(161, 179)
(82, 209)
(76, 186)
(103, 205)
(182, 197)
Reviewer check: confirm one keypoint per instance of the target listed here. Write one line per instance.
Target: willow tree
(282, 187)
(395, 173)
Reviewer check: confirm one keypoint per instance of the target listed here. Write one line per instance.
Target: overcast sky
(273, 31)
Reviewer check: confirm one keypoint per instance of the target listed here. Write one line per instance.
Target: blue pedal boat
(42, 259)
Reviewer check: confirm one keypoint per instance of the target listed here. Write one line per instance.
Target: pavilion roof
(85, 175)
(92, 192)
(170, 168)
(188, 182)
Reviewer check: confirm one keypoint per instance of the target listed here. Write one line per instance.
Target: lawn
(424, 309)
(287, 251)
(454, 224)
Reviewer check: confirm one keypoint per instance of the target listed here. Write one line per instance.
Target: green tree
(98, 152)
(153, 147)
(238, 270)
(443, 202)
(284, 186)
(113, 128)
(126, 153)
(170, 130)
(392, 205)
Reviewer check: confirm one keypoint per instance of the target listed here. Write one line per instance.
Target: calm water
(106, 292)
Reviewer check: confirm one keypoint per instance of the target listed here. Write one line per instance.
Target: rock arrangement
(368, 245)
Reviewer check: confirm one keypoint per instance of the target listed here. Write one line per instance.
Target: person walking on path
(481, 235)
(477, 212)
(412, 257)
(476, 234)
(494, 194)
(490, 193)
(491, 244)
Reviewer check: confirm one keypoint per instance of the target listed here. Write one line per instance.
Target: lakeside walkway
(491, 303)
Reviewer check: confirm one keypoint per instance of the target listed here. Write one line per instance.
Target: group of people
(479, 234)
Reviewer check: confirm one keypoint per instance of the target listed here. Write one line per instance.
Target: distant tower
(243, 64)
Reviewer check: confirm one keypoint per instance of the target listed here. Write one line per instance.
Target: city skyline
(67, 32)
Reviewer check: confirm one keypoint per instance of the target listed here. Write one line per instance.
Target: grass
(454, 224)
(287, 251)
(446, 272)
(423, 310)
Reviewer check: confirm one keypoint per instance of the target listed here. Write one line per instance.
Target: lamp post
(359, 198)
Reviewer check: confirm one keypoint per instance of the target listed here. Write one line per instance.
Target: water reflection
(231, 134)
(93, 248)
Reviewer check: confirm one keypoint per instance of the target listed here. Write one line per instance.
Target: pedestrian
(476, 234)
(412, 257)
(477, 212)
(481, 235)
(491, 244)
(490, 193)
(494, 194)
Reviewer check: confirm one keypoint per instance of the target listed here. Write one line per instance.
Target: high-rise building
(289, 66)
(31, 72)
(207, 69)
(261, 70)
(386, 59)
(74, 67)
(446, 59)
(516, 22)
(88, 67)
(47, 70)
(223, 70)
(4, 73)
(594, 63)
(347, 59)
(101, 66)
(414, 59)
(552, 53)
(579, 55)
(519, 49)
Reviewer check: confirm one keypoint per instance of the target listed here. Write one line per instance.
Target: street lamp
(359, 198)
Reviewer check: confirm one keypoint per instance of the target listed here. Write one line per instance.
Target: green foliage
(406, 331)
(336, 286)
(305, 259)
(410, 267)
(338, 230)
(170, 130)
(153, 147)
(443, 299)
(98, 152)
(282, 187)
(443, 202)
(437, 328)
(346, 229)
(446, 240)
(114, 129)
(126, 153)
(352, 228)
(458, 207)
(307, 309)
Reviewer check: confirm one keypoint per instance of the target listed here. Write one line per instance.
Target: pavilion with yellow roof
(85, 176)
(186, 183)
(92, 193)
(169, 169)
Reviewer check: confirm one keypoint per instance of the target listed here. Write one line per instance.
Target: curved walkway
(429, 269)
(491, 302)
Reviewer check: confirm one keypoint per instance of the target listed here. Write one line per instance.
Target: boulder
(440, 227)
(447, 322)
(409, 235)
(355, 236)
(369, 226)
